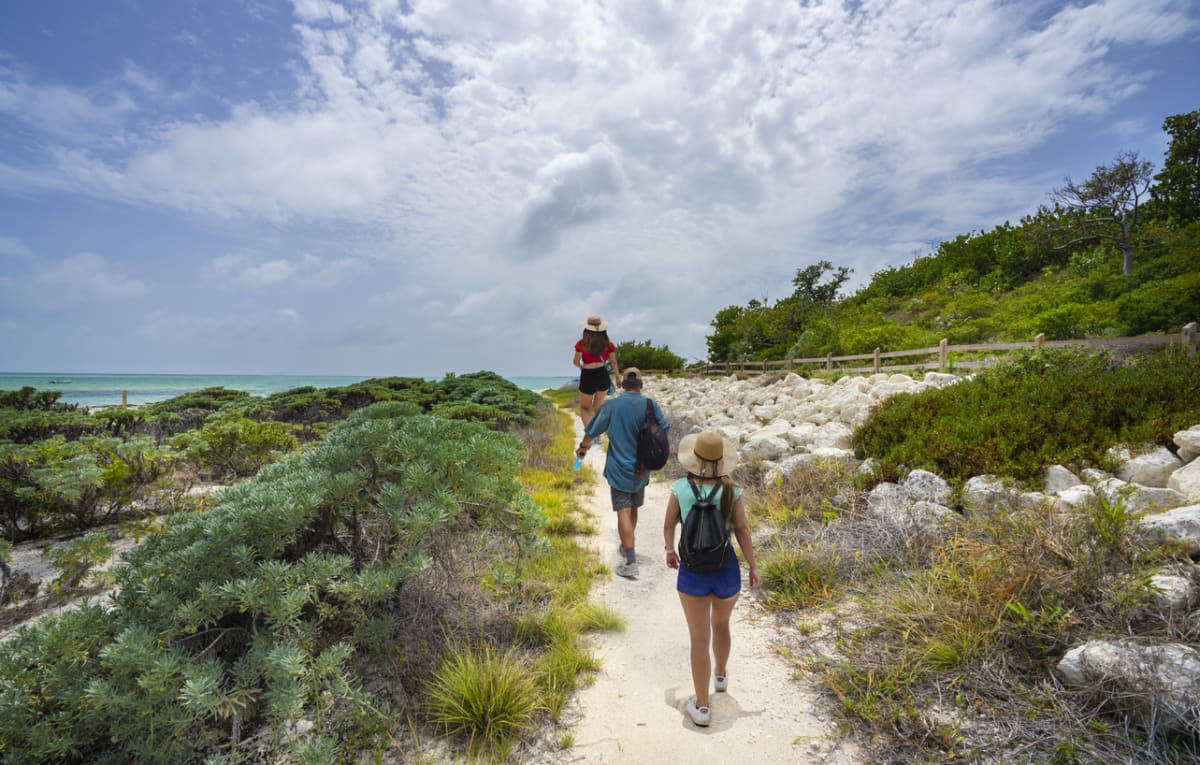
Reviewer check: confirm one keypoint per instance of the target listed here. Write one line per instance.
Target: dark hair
(595, 343)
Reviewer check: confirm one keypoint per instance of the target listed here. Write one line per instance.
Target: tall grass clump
(485, 694)
(957, 656)
(1052, 407)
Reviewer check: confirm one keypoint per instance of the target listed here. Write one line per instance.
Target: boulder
(1181, 525)
(1186, 481)
(1188, 442)
(1058, 478)
(764, 448)
(1078, 497)
(1161, 681)
(1172, 591)
(1137, 498)
(1151, 468)
(922, 485)
(984, 493)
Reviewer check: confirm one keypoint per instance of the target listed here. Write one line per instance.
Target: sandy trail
(633, 712)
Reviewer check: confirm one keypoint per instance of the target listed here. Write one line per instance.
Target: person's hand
(581, 451)
(755, 582)
(672, 559)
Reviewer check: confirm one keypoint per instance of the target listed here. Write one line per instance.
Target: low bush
(1038, 409)
(252, 614)
(230, 446)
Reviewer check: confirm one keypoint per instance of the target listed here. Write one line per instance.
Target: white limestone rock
(1078, 497)
(1186, 481)
(1182, 524)
(1163, 679)
(1059, 478)
(984, 493)
(1172, 591)
(1092, 476)
(1151, 468)
(834, 434)
(1138, 498)
(1188, 442)
(922, 485)
(764, 448)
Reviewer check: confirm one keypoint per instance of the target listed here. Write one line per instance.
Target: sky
(418, 187)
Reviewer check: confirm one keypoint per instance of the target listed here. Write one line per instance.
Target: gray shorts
(624, 499)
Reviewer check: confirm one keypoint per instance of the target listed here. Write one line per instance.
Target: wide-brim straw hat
(707, 454)
(594, 324)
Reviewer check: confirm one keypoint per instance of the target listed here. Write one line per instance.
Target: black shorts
(594, 380)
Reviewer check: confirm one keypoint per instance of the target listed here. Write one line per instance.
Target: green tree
(645, 356)
(723, 341)
(1105, 206)
(1178, 189)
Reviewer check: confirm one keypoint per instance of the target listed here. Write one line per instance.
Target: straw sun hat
(707, 454)
(594, 324)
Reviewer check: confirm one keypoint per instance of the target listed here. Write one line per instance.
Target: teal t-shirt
(683, 493)
(621, 418)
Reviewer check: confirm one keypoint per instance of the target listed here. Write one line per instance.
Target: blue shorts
(724, 583)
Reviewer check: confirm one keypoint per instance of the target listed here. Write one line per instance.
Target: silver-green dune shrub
(247, 615)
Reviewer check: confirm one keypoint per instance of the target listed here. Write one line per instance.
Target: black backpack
(704, 541)
(653, 446)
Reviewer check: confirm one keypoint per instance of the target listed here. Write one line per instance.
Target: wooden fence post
(1189, 338)
(1037, 342)
(829, 362)
(124, 404)
(942, 355)
(877, 365)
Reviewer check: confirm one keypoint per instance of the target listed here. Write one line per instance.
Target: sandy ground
(633, 713)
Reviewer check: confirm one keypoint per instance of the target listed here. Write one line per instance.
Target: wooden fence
(939, 356)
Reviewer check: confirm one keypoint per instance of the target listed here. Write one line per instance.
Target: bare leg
(722, 610)
(586, 409)
(696, 610)
(626, 525)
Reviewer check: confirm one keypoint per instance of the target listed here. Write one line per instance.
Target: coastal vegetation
(1113, 255)
(368, 579)
(946, 637)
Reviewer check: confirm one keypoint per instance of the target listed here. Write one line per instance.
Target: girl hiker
(591, 353)
(708, 597)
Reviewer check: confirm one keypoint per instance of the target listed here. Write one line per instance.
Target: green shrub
(230, 446)
(246, 615)
(57, 485)
(1162, 306)
(648, 357)
(1035, 410)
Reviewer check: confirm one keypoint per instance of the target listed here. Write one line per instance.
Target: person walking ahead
(621, 418)
(708, 597)
(593, 353)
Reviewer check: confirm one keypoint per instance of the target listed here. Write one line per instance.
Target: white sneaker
(720, 683)
(700, 715)
(628, 570)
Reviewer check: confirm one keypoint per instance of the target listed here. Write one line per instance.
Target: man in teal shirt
(621, 418)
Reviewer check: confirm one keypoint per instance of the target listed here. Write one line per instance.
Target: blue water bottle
(578, 462)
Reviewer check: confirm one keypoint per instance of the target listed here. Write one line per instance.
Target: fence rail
(1187, 338)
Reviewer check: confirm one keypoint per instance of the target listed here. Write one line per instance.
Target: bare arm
(670, 520)
(578, 361)
(741, 529)
(612, 358)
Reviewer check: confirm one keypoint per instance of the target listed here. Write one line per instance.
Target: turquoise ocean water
(105, 390)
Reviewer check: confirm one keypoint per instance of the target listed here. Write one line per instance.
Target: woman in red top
(592, 350)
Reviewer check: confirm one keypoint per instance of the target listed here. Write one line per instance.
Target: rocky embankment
(785, 423)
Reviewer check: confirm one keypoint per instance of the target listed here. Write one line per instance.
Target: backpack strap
(696, 489)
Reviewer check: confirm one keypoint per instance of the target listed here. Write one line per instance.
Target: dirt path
(633, 713)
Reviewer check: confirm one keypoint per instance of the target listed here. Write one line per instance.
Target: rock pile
(784, 424)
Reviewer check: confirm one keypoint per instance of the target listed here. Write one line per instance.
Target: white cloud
(533, 162)
(15, 248)
(92, 275)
